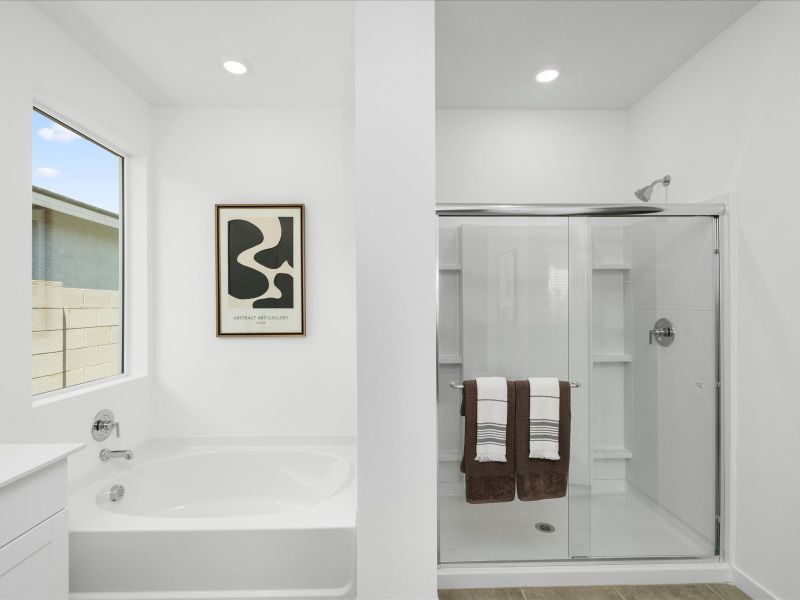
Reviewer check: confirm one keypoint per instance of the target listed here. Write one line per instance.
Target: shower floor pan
(624, 524)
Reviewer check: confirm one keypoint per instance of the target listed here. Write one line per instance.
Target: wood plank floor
(711, 591)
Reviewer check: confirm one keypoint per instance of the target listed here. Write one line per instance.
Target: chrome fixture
(117, 492)
(458, 386)
(103, 424)
(106, 454)
(545, 527)
(544, 210)
(696, 209)
(644, 193)
(663, 331)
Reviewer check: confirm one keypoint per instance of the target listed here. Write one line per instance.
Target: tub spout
(106, 454)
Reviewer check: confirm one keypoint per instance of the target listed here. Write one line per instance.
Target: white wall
(729, 120)
(527, 156)
(396, 294)
(40, 64)
(208, 386)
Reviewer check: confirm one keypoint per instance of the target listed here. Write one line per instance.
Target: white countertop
(19, 460)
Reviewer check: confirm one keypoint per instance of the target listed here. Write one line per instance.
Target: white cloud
(57, 133)
(48, 172)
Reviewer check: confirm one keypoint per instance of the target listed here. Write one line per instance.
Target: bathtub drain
(545, 527)
(117, 492)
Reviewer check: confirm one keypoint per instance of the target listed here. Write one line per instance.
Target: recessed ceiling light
(235, 66)
(547, 75)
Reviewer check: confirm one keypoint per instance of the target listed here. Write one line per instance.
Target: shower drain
(545, 527)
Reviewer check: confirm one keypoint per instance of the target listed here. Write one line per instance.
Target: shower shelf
(612, 453)
(611, 358)
(450, 455)
(611, 267)
(450, 360)
(451, 267)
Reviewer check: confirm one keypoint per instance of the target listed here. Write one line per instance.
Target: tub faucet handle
(107, 426)
(103, 424)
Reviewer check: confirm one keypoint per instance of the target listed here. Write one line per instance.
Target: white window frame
(74, 390)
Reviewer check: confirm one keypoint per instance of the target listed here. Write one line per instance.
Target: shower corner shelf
(450, 455)
(450, 360)
(619, 357)
(612, 453)
(611, 267)
(450, 267)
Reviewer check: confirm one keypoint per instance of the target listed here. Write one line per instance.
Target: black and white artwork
(260, 270)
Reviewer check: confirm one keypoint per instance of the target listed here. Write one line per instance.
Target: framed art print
(260, 269)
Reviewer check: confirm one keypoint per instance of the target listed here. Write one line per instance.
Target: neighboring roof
(76, 208)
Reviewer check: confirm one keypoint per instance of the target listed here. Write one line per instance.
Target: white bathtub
(218, 523)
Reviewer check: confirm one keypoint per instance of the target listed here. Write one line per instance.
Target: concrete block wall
(76, 335)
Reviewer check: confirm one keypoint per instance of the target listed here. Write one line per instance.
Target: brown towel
(486, 481)
(538, 478)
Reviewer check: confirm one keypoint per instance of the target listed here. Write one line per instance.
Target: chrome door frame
(607, 210)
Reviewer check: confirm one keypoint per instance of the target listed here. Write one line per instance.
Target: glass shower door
(626, 307)
(504, 310)
(654, 310)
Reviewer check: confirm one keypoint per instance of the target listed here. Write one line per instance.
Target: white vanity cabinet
(34, 559)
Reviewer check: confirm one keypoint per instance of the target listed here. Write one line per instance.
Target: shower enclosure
(624, 301)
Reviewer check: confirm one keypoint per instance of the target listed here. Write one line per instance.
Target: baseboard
(750, 587)
(458, 577)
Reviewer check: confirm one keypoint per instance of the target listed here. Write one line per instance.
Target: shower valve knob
(658, 332)
(663, 331)
(107, 426)
(103, 424)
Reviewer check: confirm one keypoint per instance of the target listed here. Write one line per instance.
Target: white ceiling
(171, 52)
(609, 53)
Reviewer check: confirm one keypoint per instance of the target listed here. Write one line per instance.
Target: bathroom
(157, 443)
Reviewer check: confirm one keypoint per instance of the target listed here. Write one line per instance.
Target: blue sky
(70, 165)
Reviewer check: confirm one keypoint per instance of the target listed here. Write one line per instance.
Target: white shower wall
(476, 337)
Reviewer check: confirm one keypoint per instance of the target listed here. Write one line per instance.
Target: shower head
(644, 193)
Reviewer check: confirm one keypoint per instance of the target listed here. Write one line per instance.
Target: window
(77, 257)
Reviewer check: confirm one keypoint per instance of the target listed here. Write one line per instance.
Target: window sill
(83, 388)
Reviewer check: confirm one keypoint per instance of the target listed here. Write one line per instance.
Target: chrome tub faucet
(106, 454)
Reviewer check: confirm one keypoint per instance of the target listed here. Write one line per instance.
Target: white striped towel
(544, 417)
(492, 419)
